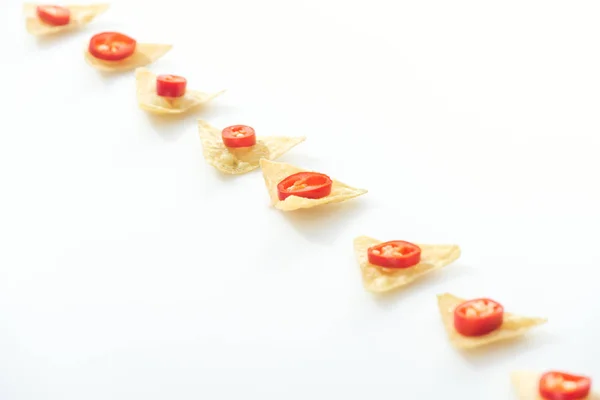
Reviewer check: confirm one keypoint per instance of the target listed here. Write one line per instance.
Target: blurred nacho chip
(513, 326)
(379, 280)
(526, 386)
(236, 161)
(145, 53)
(150, 101)
(275, 172)
(80, 16)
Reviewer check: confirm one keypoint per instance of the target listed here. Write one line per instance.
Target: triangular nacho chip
(378, 280)
(145, 53)
(241, 160)
(274, 172)
(80, 15)
(526, 386)
(148, 99)
(512, 327)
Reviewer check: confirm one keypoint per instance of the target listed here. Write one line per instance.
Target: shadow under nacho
(389, 300)
(223, 177)
(505, 349)
(49, 42)
(110, 76)
(46, 41)
(325, 223)
(170, 127)
(215, 109)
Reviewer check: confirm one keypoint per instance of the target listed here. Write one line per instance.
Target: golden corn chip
(145, 53)
(80, 15)
(148, 99)
(526, 385)
(512, 327)
(275, 172)
(378, 280)
(244, 159)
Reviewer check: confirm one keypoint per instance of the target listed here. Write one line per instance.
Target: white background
(130, 269)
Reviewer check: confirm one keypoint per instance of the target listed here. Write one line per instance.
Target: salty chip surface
(526, 386)
(145, 53)
(513, 326)
(379, 280)
(274, 172)
(236, 161)
(80, 16)
(150, 101)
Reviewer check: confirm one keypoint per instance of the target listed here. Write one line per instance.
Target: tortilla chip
(526, 385)
(512, 327)
(148, 99)
(145, 53)
(245, 159)
(80, 15)
(379, 280)
(275, 172)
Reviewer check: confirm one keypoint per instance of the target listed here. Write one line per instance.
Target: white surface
(129, 269)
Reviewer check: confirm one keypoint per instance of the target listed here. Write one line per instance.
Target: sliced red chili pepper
(238, 136)
(555, 385)
(54, 15)
(394, 254)
(310, 185)
(170, 85)
(111, 46)
(478, 317)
